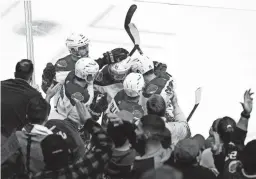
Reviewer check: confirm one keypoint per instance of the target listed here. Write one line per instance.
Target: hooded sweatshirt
(29, 139)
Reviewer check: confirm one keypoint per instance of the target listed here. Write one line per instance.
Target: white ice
(206, 43)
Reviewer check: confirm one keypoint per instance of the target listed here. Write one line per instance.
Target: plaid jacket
(93, 161)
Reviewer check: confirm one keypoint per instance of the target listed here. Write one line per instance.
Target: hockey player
(78, 46)
(156, 83)
(111, 77)
(78, 85)
(128, 98)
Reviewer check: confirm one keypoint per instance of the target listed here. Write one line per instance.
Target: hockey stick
(197, 101)
(136, 36)
(132, 51)
(128, 19)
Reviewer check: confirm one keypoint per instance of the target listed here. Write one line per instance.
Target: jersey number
(232, 155)
(62, 134)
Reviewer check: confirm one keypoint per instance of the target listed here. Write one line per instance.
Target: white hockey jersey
(65, 100)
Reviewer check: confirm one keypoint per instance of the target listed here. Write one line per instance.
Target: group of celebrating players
(119, 81)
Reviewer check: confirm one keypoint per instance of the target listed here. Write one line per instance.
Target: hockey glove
(159, 67)
(115, 55)
(99, 104)
(48, 76)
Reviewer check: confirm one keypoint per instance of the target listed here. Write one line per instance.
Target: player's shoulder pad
(119, 97)
(64, 62)
(155, 86)
(74, 91)
(61, 63)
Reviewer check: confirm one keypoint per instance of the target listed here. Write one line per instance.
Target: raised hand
(52, 90)
(216, 145)
(82, 111)
(248, 102)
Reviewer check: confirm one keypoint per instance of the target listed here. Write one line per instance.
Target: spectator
(187, 155)
(207, 161)
(69, 129)
(151, 132)
(17, 98)
(164, 172)
(92, 162)
(210, 139)
(225, 126)
(28, 140)
(227, 131)
(200, 140)
(179, 128)
(245, 168)
(123, 156)
(15, 148)
(237, 162)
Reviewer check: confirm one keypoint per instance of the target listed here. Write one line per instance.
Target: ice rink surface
(206, 43)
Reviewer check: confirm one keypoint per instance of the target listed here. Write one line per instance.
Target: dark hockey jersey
(106, 83)
(120, 102)
(63, 66)
(233, 168)
(163, 84)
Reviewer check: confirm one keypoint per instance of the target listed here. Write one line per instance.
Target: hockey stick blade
(128, 19)
(198, 95)
(136, 36)
(197, 102)
(135, 33)
(129, 15)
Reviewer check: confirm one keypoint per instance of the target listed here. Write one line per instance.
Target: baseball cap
(187, 150)
(55, 151)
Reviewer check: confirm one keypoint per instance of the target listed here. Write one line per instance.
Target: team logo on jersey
(62, 64)
(151, 89)
(77, 96)
(232, 167)
(99, 76)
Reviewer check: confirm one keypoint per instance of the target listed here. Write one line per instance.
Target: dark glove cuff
(93, 112)
(245, 115)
